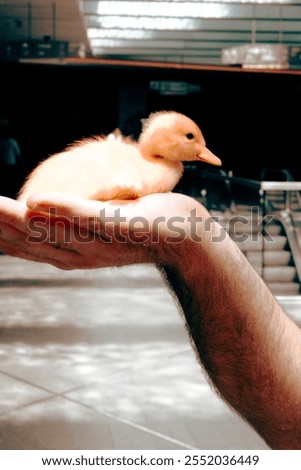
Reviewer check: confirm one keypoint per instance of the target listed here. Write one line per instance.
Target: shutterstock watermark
(115, 227)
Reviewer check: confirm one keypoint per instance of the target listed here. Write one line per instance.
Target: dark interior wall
(51, 107)
(250, 120)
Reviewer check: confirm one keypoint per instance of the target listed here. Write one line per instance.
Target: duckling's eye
(190, 136)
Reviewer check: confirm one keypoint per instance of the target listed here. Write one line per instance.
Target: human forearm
(249, 348)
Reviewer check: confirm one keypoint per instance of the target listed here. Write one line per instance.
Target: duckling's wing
(92, 169)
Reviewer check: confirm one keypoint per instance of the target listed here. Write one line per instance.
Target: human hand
(73, 233)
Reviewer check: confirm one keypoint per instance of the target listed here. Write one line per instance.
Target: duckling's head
(174, 136)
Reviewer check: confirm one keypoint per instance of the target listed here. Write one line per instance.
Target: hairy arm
(249, 347)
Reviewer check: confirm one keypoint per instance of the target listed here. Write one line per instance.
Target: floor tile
(15, 394)
(102, 360)
(173, 398)
(61, 424)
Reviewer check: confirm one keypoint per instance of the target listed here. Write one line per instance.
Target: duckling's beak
(208, 157)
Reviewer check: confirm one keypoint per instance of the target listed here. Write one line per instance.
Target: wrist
(186, 238)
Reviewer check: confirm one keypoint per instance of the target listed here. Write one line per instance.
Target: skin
(248, 346)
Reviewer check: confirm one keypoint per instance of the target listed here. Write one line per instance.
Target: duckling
(102, 168)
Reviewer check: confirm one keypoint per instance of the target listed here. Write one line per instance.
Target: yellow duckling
(103, 168)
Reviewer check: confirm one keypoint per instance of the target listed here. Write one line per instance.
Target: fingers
(21, 252)
(13, 224)
(12, 211)
(77, 211)
(71, 231)
(23, 244)
(58, 204)
(51, 231)
(145, 220)
(90, 213)
(100, 231)
(26, 237)
(109, 220)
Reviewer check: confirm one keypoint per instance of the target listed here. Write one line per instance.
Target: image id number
(221, 460)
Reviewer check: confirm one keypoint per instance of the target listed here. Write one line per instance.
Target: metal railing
(258, 193)
(289, 189)
(254, 190)
(286, 220)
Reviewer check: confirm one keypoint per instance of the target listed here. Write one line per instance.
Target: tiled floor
(102, 360)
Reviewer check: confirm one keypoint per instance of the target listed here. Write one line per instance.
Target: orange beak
(208, 157)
